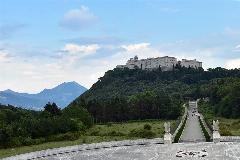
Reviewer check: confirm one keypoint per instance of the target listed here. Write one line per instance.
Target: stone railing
(180, 124)
(78, 148)
(230, 139)
(192, 141)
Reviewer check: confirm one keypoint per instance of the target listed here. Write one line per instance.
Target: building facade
(165, 63)
(191, 63)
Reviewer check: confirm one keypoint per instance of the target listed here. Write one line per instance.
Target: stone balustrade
(230, 139)
(181, 123)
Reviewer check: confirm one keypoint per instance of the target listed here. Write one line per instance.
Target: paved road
(192, 131)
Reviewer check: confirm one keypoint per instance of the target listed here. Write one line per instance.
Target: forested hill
(123, 95)
(190, 83)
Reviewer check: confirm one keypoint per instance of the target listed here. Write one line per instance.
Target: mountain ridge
(62, 95)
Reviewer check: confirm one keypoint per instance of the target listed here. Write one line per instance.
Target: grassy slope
(125, 128)
(226, 126)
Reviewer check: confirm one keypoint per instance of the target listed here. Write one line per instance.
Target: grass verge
(179, 133)
(96, 134)
(205, 133)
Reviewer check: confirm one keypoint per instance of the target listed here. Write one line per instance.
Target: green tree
(78, 113)
(3, 118)
(52, 108)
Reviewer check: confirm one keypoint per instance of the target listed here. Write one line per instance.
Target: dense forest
(144, 105)
(124, 94)
(189, 82)
(26, 127)
(224, 99)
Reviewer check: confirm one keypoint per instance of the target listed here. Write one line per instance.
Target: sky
(44, 43)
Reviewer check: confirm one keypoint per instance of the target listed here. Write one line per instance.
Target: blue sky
(46, 42)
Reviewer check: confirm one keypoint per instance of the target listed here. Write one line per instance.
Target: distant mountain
(62, 95)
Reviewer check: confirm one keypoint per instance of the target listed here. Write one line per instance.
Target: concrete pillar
(216, 137)
(167, 138)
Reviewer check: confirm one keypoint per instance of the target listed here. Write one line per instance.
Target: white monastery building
(166, 63)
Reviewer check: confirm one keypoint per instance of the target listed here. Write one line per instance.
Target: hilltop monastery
(166, 63)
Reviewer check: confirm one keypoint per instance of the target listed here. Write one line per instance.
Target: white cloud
(230, 31)
(136, 47)
(28, 73)
(142, 50)
(95, 76)
(237, 49)
(81, 51)
(3, 54)
(74, 53)
(232, 64)
(205, 52)
(77, 20)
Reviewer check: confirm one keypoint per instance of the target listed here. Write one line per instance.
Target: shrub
(14, 142)
(84, 139)
(114, 133)
(94, 133)
(39, 141)
(147, 127)
(236, 123)
(62, 137)
(148, 134)
(225, 133)
(143, 133)
(70, 136)
(50, 138)
(28, 141)
(109, 124)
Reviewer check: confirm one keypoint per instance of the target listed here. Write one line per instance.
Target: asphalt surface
(192, 131)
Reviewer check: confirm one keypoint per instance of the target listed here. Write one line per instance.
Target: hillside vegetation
(20, 127)
(100, 133)
(124, 94)
(223, 104)
(189, 82)
(224, 99)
